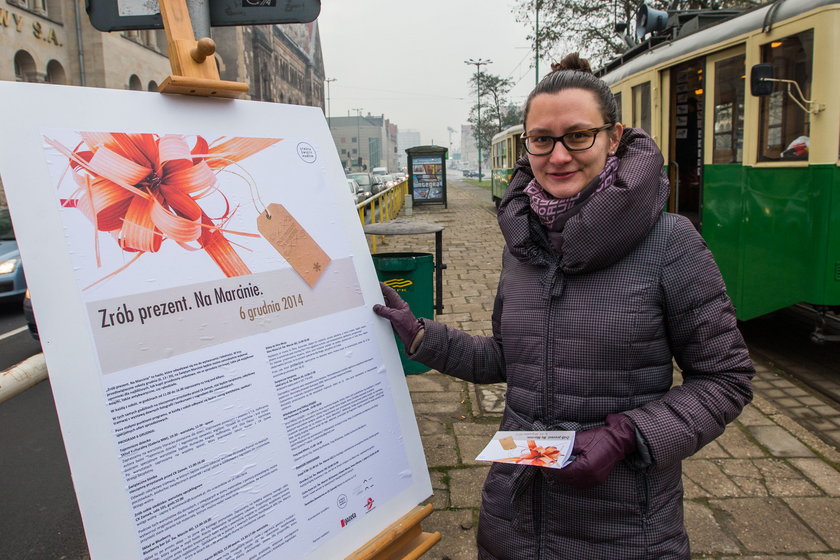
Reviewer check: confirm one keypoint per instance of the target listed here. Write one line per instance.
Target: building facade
(365, 142)
(407, 139)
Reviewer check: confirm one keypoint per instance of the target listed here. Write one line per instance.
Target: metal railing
(382, 207)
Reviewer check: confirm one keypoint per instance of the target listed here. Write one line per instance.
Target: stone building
(365, 142)
(53, 41)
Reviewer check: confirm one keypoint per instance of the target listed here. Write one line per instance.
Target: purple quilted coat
(586, 324)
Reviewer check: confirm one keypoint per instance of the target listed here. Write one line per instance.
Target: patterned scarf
(553, 211)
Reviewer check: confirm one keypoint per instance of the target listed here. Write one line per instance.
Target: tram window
(729, 110)
(618, 105)
(641, 106)
(785, 127)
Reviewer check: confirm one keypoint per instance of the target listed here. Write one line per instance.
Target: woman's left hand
(597, 452)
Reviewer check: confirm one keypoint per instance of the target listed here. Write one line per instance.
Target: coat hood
(607, 226)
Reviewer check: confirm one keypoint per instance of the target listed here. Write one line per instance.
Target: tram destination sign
(124, 15)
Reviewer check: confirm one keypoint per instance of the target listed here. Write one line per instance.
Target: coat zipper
(546, 402)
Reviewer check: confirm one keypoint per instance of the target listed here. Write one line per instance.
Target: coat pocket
(496, 494)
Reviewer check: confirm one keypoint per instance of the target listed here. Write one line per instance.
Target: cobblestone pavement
(766, 489)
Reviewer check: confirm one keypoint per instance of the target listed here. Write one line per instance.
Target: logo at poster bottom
(348, 519)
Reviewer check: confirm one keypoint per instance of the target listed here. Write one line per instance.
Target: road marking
(13, 333)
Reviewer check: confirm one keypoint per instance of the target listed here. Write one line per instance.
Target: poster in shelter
(203, 291)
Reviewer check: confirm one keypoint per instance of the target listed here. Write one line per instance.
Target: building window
(134, 83)
(729, 110)
(152, 86)
(25, 67)
(784, 126)
(56, 73)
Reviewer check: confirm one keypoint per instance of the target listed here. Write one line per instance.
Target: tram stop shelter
(427, 174)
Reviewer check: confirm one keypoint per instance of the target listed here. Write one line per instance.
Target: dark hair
(575, 72)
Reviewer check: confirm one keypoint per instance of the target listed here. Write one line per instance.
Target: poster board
(223, 387)
(427, 174)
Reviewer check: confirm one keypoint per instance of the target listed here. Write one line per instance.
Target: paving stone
(421, 383)
(824, 556)
(779, 442)
(440, 450)
(466, 486)
(704, 533)
(456, 543)
(820, 473)
(470, 447)
(708, 476)
(692, 491)
(440, 490)
(746, 476)
(822, 515)
(782, 480)
(766, 525)
(712, 450)
(429, 424)
(475, 429)
(737, 444)
(751, 416)
(450, 407)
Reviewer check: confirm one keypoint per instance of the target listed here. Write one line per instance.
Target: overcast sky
(405, 60)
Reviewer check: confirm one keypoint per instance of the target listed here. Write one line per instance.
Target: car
(12, 280)
(359, 194)
(29, 315)
(381, 182)
(379, 170)
(367, 181)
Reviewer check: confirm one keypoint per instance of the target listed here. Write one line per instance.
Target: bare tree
(497, 113)
(589, 26)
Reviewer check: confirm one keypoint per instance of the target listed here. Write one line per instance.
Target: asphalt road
(39, 516)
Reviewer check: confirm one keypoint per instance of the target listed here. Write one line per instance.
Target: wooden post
(194, 70)
(403, 539)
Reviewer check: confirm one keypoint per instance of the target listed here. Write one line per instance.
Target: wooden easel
(194, 72)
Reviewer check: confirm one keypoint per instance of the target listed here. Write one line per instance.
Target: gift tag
(507, 443)
(293, 242)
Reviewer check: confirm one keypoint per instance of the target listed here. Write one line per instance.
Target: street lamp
(359, 136)
(478, 64)
(329, 121)
(537, 43)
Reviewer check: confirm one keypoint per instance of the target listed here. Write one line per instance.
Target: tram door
(685, 165)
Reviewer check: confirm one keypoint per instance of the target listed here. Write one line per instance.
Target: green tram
(505, 148)
(747, 114)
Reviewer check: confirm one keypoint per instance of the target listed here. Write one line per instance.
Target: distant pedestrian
(599, 291)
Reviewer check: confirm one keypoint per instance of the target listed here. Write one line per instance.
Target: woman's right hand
(408, 328)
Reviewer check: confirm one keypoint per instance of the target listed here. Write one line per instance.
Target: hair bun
(572, 61)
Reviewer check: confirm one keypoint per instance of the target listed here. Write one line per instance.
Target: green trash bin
(410, 274)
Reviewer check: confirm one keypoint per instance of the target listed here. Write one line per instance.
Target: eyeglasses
(574, 141)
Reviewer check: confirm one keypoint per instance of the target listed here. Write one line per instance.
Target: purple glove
(405, 324)
(597, 452)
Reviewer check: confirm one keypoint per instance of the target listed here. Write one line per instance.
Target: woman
(599, 290)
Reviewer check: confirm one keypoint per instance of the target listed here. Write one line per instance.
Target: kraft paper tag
(507, 443)
(293, 242)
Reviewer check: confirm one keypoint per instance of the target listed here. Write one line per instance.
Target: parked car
(367, 181)
(12, 281)
(359, 194)
(29, 315)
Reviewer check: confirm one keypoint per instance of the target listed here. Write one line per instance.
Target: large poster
(203, 291)
(427, 175)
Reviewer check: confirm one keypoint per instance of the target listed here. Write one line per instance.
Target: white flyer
(552, 449)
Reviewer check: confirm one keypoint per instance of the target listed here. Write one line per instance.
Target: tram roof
(738, 25)
(509, 130)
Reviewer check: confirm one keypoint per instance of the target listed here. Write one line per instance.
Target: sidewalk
(766, 489)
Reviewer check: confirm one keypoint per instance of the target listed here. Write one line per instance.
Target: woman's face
(563, 173)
